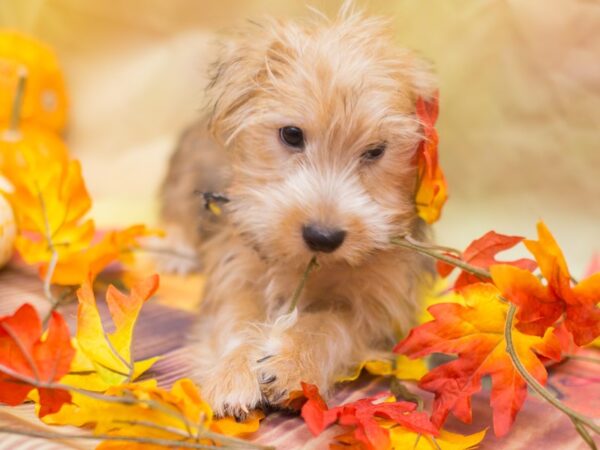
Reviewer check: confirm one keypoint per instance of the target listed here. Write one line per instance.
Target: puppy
(311, 133)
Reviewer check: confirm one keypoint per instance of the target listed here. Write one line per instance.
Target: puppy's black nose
(321, 239)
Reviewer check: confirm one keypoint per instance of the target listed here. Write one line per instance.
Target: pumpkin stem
(15, 115)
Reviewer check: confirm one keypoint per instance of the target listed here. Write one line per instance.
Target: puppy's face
(320, 123)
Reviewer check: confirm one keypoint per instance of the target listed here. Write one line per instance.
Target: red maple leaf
(362, 415)
(475, 334)
(27, 359)
(481, 253)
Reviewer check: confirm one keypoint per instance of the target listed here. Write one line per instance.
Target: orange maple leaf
(431, 183)
(27, 358)
(116, 245)
(541, 306)
(50, 201)
(475, 334)
(481, 253)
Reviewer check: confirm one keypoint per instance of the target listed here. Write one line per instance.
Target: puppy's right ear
(235, 81)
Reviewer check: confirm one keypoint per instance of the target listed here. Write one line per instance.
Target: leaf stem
(309, 268)
(425, 249)
(535, 384)
(12, 132)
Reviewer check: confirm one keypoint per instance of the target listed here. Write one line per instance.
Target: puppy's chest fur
(379, 297)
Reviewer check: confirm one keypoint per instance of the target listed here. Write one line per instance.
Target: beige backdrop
(520, 93)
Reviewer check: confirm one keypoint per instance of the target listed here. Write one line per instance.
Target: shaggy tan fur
(347, 85)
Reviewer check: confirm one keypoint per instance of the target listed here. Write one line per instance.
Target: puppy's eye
(292, 136)
(374, 153)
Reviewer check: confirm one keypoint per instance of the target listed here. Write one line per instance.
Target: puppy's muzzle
(322, 239)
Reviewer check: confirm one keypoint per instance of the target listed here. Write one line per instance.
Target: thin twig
(431, 246)
(154, 426)
(309, 268)
(533, 383)
(61, 300)
(419, 247)
(170, 443)
(50, 274)
(131, 401)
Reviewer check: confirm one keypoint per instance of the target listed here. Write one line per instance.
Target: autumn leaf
(104, 359)
(402, 368)
(405, 439)
(50, 202)
(363, 415)
(474, 333)
(481, 253)
(542, 305)
(432, 187)
(146, 410)
(402, 439)
(28, 358)
(114, 246)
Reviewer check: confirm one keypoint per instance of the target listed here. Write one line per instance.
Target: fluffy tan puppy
(311, 132)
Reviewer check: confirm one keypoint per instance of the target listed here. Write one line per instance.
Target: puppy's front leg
(316, 349)
(226, 350)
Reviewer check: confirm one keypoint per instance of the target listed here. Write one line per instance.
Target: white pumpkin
(8, 231)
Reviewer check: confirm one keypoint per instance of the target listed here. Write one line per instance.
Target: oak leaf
(481, 253)
(542, 305)
(28, 358)
(105, 359)
(474, 333)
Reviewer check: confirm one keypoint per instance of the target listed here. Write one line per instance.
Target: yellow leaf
(114, 246)
(104, 360)
(178, 414)
(231, 427)
(402, 438)
(404, 369)
(410, 369)
(50, 201)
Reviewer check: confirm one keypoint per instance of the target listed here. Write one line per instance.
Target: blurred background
(520, 100)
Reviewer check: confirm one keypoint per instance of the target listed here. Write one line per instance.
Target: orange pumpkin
(30, 139)
(19, 139)
(45, 101)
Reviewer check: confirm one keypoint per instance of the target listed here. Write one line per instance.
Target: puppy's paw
(279, 375)
(231, 388)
